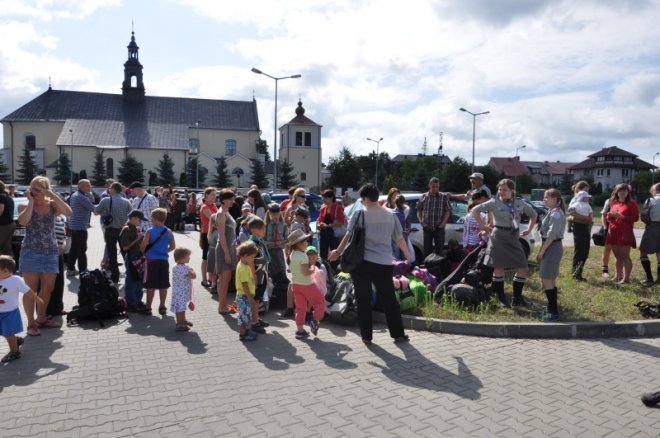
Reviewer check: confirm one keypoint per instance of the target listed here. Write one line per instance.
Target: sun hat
(296, 237)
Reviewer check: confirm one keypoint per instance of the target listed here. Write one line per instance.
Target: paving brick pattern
(140, 378)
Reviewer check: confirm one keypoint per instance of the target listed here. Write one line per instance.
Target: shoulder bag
(353, 254)
(340, 230)
(107, 219)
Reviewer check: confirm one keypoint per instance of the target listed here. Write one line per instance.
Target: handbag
(353, 254)
(138, 264)
(599, 237)
(339, 231)
(107, 219)
(645, 215)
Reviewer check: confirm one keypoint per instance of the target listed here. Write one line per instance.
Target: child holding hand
(182, 277)
(10, 317)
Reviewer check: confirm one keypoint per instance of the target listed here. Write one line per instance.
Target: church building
(146, 127)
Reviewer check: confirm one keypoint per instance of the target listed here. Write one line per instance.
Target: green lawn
(597, 299)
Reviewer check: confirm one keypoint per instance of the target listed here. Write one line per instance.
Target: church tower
(300, 145)
(133, 88)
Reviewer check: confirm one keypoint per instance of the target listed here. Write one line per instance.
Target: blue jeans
(133, 284)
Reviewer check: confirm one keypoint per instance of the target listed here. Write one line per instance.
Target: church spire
(133, 87)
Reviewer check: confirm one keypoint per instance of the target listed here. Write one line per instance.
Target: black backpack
(341, 306)
(98, 299)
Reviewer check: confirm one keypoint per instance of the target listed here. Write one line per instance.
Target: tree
(63, 170)
(285, 177)
(222, 179)
(27, 167)
(182, 180)
(4, 170)
(81, 175)
(130, 170)
(98, 172)
(344, 170)
(262, 148)
(454, 177)
(165, 170)
(259, 177)
(420, 181)
(193, 177)
(524, 184)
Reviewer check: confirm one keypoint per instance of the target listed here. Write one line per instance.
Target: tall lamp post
(276, 79)
(377, 149)
(71, 164)
(653, 170)
(474, 125)
(515, 177)
(198, 149)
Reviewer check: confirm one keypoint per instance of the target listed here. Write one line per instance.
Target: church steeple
(133, 87)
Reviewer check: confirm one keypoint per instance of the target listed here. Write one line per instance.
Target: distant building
(542, 172)
(510, 167)
(610, 166)
(147, 127)
(300, 145)
(443, 159)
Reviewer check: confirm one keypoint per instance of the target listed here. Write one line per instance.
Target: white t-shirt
(10, 287)
(581, 208)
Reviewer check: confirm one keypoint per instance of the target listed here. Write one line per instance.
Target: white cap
(582, 195)
(477, 175)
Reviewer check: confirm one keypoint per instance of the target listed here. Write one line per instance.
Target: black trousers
(327, 242)
(56, 303)
(111, 241)
(381, 277)
(78, 250)
(581, 243)
(434, 241)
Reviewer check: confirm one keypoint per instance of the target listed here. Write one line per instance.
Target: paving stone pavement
(140, 378)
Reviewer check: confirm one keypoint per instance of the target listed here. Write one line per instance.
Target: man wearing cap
(477, 184)
(81, 208)
(143, 201)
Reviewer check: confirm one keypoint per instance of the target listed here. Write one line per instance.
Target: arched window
(303, 176)
(133, 81)
(230, 148)
(109, 168)
(237, 172)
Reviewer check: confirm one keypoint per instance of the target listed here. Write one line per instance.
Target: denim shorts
(39, 260)
(10, 323)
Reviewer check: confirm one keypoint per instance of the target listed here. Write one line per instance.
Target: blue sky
(565, 78)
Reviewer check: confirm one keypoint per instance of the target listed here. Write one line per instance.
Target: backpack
(645, 215)
(98, 299)
(648, 310)
(341, 302)
(438, 266)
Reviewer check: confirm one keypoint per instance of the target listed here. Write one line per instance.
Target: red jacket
(336, 213)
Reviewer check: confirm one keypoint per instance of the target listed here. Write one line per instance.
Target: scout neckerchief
(261, 244)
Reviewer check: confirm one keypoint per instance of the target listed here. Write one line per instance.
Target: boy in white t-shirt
(10, 317)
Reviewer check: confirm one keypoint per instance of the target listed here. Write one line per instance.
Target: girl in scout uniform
(504, 250)
(549, 257)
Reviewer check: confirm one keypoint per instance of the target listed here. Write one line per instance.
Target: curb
(532, 330)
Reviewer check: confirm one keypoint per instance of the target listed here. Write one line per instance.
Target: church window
(303, 176)
(299, 138)
(308, 139)
(230, 148)
(30, 142)
(193, 145)
(110, 168)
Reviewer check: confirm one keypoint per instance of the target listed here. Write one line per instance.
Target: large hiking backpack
(472, 269)
(98, 299)
(341, 306)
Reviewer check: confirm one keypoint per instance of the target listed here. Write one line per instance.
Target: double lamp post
(474, 124)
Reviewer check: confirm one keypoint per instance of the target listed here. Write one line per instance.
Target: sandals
(206, 283)
(33, 330)
(189, 324)
(49, 323)
(12, 355)
(162, 310)
(182, 328)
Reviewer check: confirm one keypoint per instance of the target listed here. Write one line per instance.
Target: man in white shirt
(143, 201)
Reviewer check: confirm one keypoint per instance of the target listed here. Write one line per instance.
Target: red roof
(508, 166)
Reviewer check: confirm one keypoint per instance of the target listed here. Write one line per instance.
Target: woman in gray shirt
(504, 250)
(551, 252)
(381, 228)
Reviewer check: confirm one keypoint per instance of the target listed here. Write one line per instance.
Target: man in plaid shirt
(433, 212)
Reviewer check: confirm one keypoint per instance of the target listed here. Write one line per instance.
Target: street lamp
(197, 156)
(653, 170)
(515, 177)
(276, 79)
(71, 164)
(474, 124)
(377, 148)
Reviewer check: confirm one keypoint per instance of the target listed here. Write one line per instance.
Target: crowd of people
(251, 244)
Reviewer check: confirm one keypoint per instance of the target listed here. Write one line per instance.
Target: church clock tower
(133, 87)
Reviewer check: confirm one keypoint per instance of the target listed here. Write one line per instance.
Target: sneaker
(287, 314)
(550, 317)
(302, 334)
(33, 330)
(647, 283)
(12, 355)
(501, 301)
(579, 278)
(314, 326)
(263, 323)
(249, 336)
(71, 272)
(649, 399)
(519, 302)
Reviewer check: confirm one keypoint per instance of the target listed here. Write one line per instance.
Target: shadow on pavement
(163, 327)
(273, 350)
(417, 371)
(331, 353)
(631, 345)
(35, 362)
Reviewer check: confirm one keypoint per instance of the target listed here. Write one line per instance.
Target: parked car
(313, 201)
(453, 229)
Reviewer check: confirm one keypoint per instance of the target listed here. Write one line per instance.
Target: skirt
(220, 264)
(549, 267)
(213, 241)
(650, 243)
(504, 250)
(39, 260)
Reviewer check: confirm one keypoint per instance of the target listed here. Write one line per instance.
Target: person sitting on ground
(156, 245)
(245, 289)
(10, 317)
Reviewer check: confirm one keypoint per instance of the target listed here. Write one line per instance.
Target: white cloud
(53, 9)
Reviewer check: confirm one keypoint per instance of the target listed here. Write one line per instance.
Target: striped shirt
(60, 233)
(82, 208)
(146, 204)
